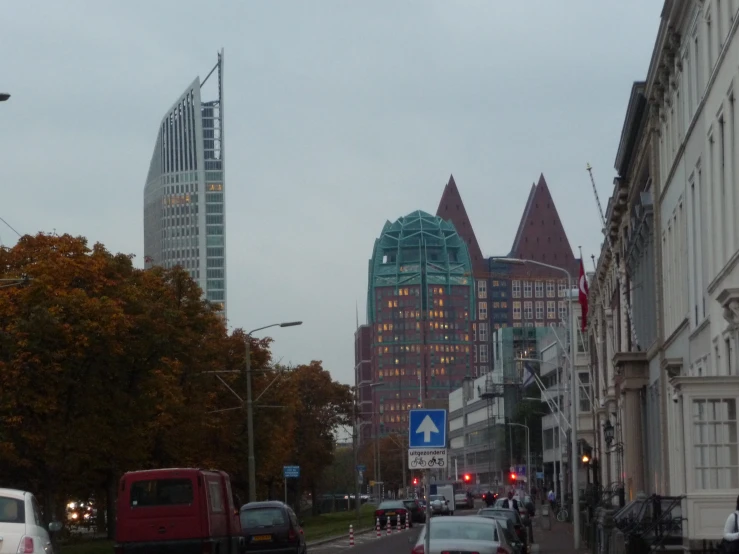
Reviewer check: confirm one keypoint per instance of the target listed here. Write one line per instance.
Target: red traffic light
(415, 480)
(467, 477)
(513, 476)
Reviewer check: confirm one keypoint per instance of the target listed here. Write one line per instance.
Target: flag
(528, 375)
(583, 286)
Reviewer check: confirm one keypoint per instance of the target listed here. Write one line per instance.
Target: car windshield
(391, 505)
(463, 530)
(262, 517)
(435, 497)
(12, 510)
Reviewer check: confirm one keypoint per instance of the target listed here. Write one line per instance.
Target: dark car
(418, 512)
(392, 511)
(271, 527)
(509, 530)
(513, 516)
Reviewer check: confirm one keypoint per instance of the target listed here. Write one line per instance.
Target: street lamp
(250, 407)
(573, 392)
(528, 452)
(4, 96)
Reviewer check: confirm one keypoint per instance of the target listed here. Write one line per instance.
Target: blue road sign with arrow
(427, 428)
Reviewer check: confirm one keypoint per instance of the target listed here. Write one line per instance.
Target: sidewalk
(558, 540)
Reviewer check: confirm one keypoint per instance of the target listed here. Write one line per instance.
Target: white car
(21, 528)
(438, 505)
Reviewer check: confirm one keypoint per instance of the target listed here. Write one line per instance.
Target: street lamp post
(528, 452)
(250, 407)
(573, 392)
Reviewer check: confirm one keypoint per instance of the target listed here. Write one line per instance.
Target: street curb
(339, 537)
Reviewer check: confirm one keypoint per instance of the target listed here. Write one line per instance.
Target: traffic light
(467, 477)
(415, 480)
(585, 458)
(513, 477)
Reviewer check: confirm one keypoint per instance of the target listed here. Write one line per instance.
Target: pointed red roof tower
(451, 208)
(541, 235)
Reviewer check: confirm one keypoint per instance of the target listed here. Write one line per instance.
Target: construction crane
(624, 298)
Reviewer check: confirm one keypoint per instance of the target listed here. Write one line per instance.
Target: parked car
(509, 530)
(393, 511)
(271, 527)
(22, 529)
(177, 510)
(417, 510)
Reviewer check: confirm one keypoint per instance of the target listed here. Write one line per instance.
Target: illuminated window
(482, 289)
(516, 289)
(441, 302)
(539, 289)
(550, 289)
(504, 305)
(516, 310)
(495, 283)
(389, 303)
(474, 331)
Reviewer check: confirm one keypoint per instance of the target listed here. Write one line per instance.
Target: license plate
(390, 513)
(261, 538)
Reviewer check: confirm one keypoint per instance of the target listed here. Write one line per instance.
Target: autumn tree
(323, 405)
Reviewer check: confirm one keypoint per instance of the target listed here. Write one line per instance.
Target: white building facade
(184, 195)
(692, 82)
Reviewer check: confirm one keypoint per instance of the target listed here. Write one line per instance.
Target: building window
(474, 350)
(516, 289)
(716, 454)
(482, 289)
(483, 332)
(539, 309)
(474, 332)
(562, 310)
(561, 288)
(483, 353)
(527, 289)
(516, 310)
(504, 305)
(585, 392)
(551, 309)
(528, 310)
(550, 289)
(482, 311)
(539, 289)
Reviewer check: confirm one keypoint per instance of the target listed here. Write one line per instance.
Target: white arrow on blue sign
(427, 428)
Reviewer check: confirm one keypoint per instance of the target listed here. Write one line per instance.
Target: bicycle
(562, 514)
(418, 462)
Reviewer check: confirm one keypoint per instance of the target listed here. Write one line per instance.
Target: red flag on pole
(583, 286)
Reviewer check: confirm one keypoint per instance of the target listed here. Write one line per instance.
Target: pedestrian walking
(730, 542)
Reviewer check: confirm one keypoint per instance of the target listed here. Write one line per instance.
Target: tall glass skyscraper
(184, 196)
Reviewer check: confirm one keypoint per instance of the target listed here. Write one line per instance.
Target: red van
(183, 511)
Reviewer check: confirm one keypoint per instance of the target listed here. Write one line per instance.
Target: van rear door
(164, 507)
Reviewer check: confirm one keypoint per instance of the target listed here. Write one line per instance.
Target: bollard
(406, 521)
(389, 528)
(377, 528)
(351, 535)
(397, 524)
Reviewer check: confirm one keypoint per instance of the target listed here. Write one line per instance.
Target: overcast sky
(340, 115)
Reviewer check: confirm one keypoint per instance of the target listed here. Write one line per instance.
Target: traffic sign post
(289, 472)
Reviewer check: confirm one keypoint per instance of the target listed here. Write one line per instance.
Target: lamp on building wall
(608, 432)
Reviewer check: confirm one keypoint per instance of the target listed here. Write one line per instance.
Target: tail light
(378, 513)
(418, 549)
(26, 546)
(501, 550)
(292, 536)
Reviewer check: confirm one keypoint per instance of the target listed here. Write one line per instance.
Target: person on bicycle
(552, 499)
(489, 499)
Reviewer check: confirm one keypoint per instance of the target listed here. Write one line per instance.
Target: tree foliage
(106, 368)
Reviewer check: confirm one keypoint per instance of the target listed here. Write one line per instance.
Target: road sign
(361, 468)
(521, 470)
(427, 458)
(291, 472)
(427, 429)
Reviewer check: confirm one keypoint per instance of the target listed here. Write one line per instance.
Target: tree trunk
(100, 521)
(111, 489)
